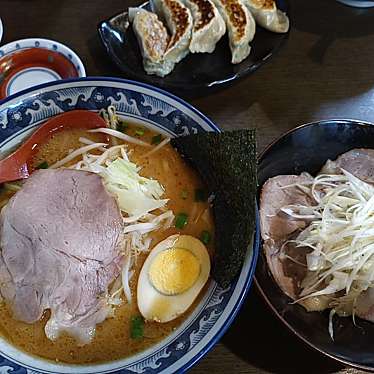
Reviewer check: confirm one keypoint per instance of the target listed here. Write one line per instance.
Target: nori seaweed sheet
(227, 164)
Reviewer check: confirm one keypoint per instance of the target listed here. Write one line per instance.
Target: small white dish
(30, 62)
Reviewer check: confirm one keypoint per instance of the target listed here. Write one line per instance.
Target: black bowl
(197, 74)
(307, 148)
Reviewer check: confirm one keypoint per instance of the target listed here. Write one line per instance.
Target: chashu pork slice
(277, 228)
(240, 25)
(60, 249)
(359, 162)
(209, 26)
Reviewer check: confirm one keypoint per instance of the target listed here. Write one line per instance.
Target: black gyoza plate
(307, 148)
(195, 75)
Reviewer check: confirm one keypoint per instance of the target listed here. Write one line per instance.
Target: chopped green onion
(122, 126)
(200, 195)
(181, 220)
(12, 186)
(205, 237)
(43, 165)
(137, 327)
(156, 139)
(184, 194)
(139, 132)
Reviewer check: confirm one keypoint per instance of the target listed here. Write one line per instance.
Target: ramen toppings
(109, 244)
(143, 177)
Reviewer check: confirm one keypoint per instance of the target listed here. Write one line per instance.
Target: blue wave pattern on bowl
(138, 105)
(39, 105)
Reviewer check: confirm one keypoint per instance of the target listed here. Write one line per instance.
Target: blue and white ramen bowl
(358, 3)
(20, 114)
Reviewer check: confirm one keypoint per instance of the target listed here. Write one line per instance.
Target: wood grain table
(325, 70)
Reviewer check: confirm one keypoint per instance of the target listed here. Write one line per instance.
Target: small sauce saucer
(29, 62)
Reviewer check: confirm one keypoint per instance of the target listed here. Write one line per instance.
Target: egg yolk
(174, 271)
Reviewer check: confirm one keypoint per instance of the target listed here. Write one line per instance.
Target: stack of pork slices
(176, 27)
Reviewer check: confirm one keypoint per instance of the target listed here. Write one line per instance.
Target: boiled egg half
(171, 278)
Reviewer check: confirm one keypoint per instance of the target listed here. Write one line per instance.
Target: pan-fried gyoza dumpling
(179, 21)
(268, 16)
(240, 25)
(209, 26)
(153, 40)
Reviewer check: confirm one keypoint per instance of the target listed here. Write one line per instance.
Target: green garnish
(122, 126)
(139, 132)
(156, 139)
(43, 165)
(136, 327)
(181, 220)
(205, 237)
(200, 195)
(184, 194)
(12, 186)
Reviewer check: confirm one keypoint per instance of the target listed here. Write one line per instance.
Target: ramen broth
(112, 340)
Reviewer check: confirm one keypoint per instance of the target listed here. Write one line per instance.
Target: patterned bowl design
(358, 3)
(48, 44)
(20, 113)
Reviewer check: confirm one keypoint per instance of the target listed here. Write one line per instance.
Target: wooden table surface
(324, 71)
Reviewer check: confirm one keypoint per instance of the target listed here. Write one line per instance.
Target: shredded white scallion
(157, 147)
(331, 326)
(125, 274)
(80, 151)
(87, 141)
(340, 235)
(120, 135)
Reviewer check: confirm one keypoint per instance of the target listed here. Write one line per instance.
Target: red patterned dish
(32, 66)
